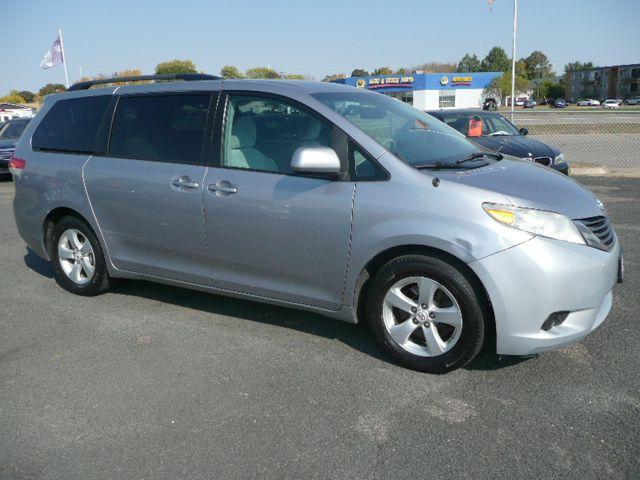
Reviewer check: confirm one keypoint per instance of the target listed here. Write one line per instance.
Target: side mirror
(315, 160)
(524, 131)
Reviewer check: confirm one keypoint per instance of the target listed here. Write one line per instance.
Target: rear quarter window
(73, 125)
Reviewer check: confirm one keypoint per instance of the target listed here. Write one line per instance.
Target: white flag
(54, 56)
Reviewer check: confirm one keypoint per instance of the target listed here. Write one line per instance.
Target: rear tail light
(16, 165)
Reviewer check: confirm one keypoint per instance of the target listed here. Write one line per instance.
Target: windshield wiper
(478, 155)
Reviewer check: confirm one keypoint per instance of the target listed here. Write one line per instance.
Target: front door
(271, 232)
(147, 191)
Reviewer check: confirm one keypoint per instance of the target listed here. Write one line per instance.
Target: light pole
(513, 56)
(538, 92)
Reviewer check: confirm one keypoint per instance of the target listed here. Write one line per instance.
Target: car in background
(494, 132)
(520, 101)
(560, 103)
(530, 104)
(588, 102)
(10, 132)
(490, 104)
(610, 103)
(633, 101)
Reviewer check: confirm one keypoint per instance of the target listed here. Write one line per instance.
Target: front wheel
(425, 313)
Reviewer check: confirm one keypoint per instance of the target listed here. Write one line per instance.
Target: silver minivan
(320, 197)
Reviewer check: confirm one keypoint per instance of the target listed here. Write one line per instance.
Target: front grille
(546, 161)
(597, 231)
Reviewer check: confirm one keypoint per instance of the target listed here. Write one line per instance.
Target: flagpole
(513, 56)
(64, 58)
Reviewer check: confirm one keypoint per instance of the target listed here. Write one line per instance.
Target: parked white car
(611, 104)
(588, 103)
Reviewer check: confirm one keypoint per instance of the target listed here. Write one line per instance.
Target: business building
(600, 83)
(427, 91)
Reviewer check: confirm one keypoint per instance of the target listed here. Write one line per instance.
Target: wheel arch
(381, 258)
(53, 217)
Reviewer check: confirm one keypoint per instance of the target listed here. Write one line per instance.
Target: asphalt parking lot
(157, 382)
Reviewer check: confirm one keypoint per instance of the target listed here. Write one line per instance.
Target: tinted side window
(261, 133)
(167, 128)
(72, 125)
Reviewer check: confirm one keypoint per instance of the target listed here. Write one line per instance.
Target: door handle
(223, 187)
(184, 182)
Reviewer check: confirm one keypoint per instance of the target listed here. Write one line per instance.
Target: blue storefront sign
(423, 81)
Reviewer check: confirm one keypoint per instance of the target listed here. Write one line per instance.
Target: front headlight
(536, 222)
(559, 158)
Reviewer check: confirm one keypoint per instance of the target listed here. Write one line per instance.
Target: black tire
(100, 281)
(471, 307)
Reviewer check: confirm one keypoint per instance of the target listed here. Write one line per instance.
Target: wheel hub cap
(76, 256)
(422, 316)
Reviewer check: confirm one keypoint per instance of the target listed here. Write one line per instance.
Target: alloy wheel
(76, 256)
(422, 316)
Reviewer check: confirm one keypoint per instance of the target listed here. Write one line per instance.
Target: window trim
(212, 94)
(340, 139)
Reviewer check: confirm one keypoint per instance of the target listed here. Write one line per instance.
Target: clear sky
(309, 37)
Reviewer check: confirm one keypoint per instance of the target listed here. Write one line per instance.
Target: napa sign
(385, 82)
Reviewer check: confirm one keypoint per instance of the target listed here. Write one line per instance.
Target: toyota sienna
(321, 197)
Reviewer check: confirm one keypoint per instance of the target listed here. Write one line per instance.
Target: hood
(8, 142)
(517, 146)
(527, 184)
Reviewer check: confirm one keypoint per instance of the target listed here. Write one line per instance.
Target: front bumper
(529, 282)
(561, 167)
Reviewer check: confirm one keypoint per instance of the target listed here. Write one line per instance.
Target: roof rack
(166, 76)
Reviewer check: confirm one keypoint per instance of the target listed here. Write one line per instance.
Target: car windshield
(12, 130)
(413, 136)
(479, 124)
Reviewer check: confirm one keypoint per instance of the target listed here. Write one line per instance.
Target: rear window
(72, 125)
(166, 128)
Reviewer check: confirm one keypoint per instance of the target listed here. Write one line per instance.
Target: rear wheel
(425, 314)
(77, 258)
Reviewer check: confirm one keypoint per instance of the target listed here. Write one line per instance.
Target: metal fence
(587, 136)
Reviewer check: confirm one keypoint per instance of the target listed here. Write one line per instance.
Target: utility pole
(513, 57)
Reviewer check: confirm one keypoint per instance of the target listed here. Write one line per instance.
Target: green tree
(468, 63)
(359, 72)
(383, 71)
(402, 71)
(537, 65)
(501, 86)
(335, 76)
(575, 66)
(436, 67)
(12, 98)
(496, 61)
(27, 95)
(550, 89)
(176, 66)
(229, 71)
(50, 88)
(262, 72)
(295, 76)
(521, 69)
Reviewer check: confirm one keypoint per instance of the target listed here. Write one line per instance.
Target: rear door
(147, 191)
(272, 232)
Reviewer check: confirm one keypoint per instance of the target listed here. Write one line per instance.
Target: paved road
(158, 382)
